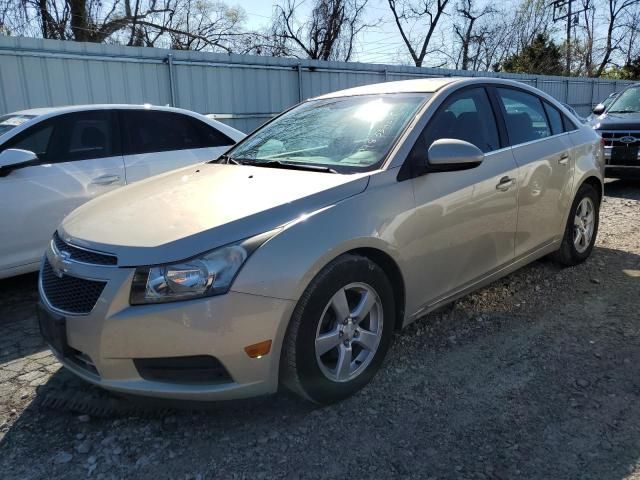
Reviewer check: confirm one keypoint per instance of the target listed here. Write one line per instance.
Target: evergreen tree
(542, 57)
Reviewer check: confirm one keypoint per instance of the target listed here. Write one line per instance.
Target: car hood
(617, 121)
(182, 213)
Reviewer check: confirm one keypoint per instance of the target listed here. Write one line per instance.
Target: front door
(80, 160)
(467, 219)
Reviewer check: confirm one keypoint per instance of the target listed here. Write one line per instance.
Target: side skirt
(477, 284)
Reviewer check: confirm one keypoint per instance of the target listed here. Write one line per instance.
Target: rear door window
(525, 117)
(149, 131)
(210, 136)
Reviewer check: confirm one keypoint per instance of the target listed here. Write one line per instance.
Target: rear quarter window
(569, 125)
(555, 119)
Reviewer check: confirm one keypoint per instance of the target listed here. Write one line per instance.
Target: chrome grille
(81, 255)
(69, 294)
(621, 147)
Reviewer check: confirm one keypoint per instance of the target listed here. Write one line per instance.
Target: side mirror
(12, 158)
(448, 155)
(599, 109)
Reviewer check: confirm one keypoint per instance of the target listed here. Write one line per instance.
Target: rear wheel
(340, 331)
(582, 227)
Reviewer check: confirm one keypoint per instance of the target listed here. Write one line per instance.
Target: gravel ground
(536, 376)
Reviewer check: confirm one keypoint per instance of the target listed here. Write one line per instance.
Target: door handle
(106, 180)
(564, 159)
(505, 184)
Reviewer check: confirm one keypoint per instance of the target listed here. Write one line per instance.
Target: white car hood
(180, 214)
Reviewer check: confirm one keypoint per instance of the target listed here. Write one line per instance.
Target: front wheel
(582, 227)
(340, 331)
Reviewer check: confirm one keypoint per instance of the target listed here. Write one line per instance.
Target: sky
(380, 44)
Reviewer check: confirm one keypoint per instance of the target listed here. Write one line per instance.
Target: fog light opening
(258, 350)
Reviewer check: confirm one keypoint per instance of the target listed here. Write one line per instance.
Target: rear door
(81, 159)
(543, 152)
(158, 141)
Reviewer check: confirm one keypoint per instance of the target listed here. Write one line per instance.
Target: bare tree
(532, 18)
(469, 36)
(179, 24)
(424, 14)
(584, 48)
(632, 47)
(615, 10)
(328, 34)
(201, 24)
(80, 20)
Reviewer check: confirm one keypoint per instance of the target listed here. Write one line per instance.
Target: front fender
(285, 265)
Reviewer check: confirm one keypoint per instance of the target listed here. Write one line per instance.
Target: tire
(569, 254)
(317, 376)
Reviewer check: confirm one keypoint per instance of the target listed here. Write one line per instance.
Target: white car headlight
(205, 275)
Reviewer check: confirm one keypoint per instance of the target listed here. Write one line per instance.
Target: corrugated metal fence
(241, 90)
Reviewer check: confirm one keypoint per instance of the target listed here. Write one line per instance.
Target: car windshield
(607, 101)
(11, 121)
(343, 134)
(628, 101)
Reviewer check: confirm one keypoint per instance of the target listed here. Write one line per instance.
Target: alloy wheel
(349, 332)
(583, 225)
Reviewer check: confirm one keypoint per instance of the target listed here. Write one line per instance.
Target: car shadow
(535, 376)
(628, 189)
(20, 337)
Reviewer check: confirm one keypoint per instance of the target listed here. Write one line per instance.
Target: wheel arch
(595, 182)
(393, 273)
(591, 179)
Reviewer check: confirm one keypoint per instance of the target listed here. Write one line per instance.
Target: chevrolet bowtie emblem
(60, 263)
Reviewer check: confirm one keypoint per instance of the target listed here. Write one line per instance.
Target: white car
(52, 160)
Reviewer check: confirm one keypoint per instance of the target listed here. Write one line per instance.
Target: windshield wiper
(622, 111)
(224, 158)
(287, 165)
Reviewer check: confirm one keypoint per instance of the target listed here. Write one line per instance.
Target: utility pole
(569, 22)
(563, 10)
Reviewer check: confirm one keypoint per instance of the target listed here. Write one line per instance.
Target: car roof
(100, 106)
(421, 85)
(40, 114)
(427, 85)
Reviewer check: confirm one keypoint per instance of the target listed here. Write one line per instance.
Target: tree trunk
(79, 21)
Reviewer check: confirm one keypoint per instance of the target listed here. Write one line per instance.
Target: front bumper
(622, 171)
(115, 333)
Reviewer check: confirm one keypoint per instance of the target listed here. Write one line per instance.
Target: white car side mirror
(14, 158)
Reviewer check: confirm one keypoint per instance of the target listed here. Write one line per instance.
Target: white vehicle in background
(52, 160)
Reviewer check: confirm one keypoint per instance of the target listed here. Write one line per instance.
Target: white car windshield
(344, 134)
(11, 121)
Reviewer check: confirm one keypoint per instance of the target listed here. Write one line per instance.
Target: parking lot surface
(536, 376)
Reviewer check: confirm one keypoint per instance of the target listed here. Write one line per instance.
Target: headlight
(205, 275)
